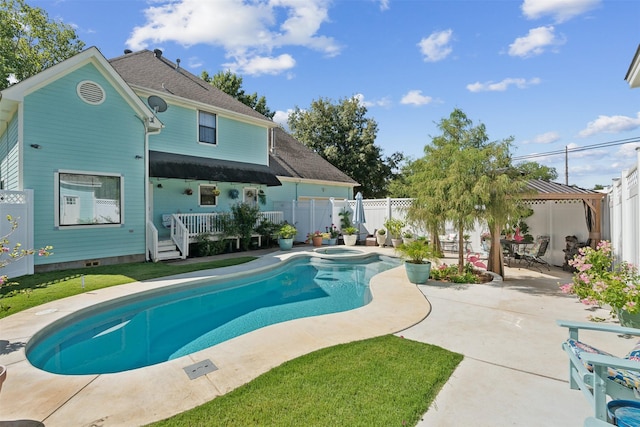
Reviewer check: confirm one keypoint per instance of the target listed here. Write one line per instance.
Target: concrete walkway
(513, 373)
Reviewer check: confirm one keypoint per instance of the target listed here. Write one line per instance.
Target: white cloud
(415, 97)
(248, 31)
(436, 47)
(628, 151)
(560, 10)
(611, 124)
(261, 65)
(281, 117)
(503, 85)
(384, 4)
(383, 102)
(535, 42)
(545, 138)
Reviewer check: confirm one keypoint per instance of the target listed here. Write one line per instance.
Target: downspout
(147, 132)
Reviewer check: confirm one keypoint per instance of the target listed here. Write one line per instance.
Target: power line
(566, 151)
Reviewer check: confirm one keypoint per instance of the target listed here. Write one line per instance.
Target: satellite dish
(158, 104)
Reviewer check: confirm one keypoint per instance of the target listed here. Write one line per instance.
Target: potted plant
(286, 234)
(315, 237)
(418, 255)
(394, 227)
(333, 234)
(407, 237)
(381, 237)
(262, 197)
(350, 236)
(188, 191)
(215, 192)
(598, 282)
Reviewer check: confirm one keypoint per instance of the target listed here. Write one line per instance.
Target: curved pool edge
(148, 394)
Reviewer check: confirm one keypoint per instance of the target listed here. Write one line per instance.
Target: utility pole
(566, 165)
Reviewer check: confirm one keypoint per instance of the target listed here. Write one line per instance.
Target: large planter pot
(332, 242)
(396, 242)
(418, 273)
(3, 375)
(381, 239)
(629, 320)
(350, 239)
(407, 240)
(285, 244)
(317, 241)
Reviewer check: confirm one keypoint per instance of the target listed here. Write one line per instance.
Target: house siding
(79, 137)
(236, 141)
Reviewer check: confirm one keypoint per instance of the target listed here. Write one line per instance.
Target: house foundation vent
(91, 92)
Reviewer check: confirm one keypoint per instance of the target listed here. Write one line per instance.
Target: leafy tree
(463, 177)
(231, 84)
(30, 42)
(534, 170)
(345, 137)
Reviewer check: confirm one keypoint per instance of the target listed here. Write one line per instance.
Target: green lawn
(384, 381)
(40, 288)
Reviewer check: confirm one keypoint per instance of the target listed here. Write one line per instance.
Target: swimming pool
(160, 325)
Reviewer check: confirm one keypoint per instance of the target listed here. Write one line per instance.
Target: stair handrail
(152, 242)
(180, 236)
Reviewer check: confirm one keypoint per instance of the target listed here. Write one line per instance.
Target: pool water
(160, 325)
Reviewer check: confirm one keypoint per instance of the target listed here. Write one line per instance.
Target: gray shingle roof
(290, 158)
(145, 69)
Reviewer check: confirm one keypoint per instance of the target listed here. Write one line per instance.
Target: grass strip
(30, 291)
(384, 381)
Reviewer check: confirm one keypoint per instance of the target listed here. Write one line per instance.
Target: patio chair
(599, 374)
(534, 254)
(507, 251)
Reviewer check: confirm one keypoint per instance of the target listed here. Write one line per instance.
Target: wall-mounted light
(138, 157)
(36, 146)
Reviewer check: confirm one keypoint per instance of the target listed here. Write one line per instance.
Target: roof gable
(15, 94)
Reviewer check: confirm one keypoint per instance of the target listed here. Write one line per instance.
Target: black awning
(169, 165)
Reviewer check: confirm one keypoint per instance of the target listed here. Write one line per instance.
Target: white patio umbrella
(358, 212)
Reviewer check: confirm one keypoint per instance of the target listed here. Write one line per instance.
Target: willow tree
(446, 176)
(464, 178)
(499, 191)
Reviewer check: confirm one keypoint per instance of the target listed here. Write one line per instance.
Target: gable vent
(91, 92)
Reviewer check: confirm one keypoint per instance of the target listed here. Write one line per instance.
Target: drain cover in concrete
(199, 369)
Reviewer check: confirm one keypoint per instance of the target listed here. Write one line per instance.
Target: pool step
(167, 250)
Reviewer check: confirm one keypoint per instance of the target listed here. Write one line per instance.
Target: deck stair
(167, 250)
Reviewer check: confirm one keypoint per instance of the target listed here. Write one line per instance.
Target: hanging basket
(234, 194)
(188, 191)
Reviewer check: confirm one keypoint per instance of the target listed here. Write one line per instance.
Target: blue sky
(550, 73)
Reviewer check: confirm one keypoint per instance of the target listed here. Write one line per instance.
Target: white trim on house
(92, 55)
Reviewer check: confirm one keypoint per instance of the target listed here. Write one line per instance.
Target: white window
(207, 127)
(209, 195)
(85, 199)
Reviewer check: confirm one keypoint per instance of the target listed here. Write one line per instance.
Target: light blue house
(124, 154)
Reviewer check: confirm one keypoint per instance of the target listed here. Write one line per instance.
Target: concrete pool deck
(156, 392)
(513, 373)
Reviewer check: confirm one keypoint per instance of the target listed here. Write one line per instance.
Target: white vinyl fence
(18, 204)
(624, 215)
